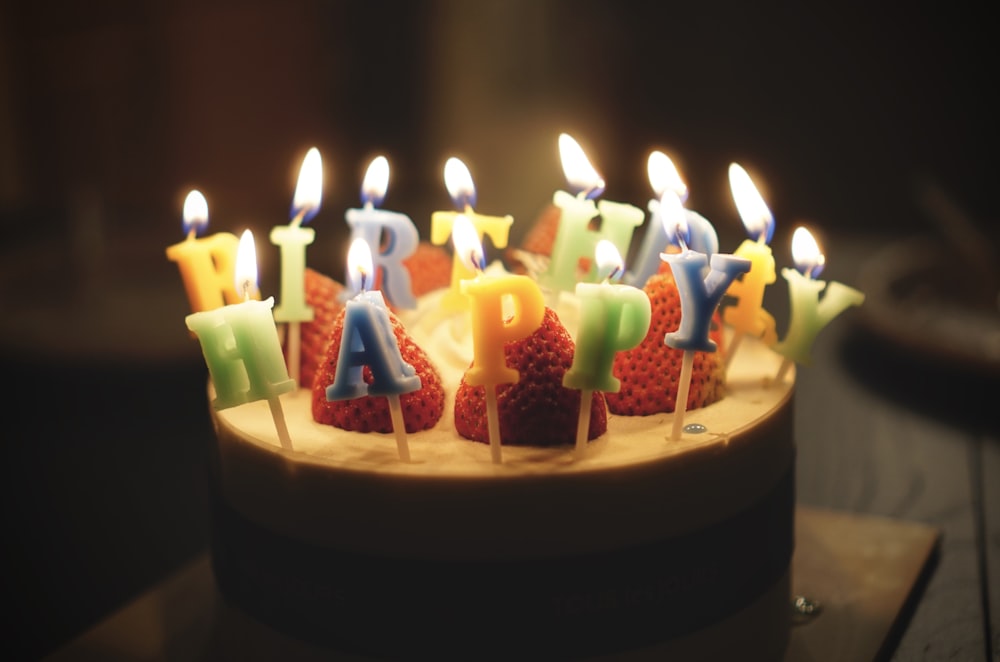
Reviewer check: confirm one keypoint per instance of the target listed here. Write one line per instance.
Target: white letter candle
(460, 187)
(575, 239)
(207, 265)
(491, 328)
(613, 318)
(241, 347)
(809, 314)
(401, 238)
(368, 340)
(663, 176)
(292, 239)
(747, 317)
(699, 298)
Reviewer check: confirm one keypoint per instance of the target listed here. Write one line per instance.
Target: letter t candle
(698, 298)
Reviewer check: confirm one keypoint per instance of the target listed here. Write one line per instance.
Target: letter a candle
(491, 325)
(613, 318)
(699, 298)
(368, 341)
(241, 346)
(292, 240)
(809, 314)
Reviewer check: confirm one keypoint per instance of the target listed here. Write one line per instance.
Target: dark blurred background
(110, 111)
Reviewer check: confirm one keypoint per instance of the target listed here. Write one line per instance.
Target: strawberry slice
(649, 372)
(538, 410)
(422, 408)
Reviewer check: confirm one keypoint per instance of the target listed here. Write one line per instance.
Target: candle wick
(364, 279)
(192, 233)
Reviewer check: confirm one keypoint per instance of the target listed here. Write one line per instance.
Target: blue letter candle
(699, 298)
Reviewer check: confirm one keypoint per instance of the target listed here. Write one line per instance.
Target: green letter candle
(809, 314)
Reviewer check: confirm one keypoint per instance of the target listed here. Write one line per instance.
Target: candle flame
(376, 181)
(360, 268)
(468, 248)
(609, 261)
(309, 189)
(580, 174)
(806, 253)
(246, 266)
(195, 213)
(757, 218)
(674, 219)
(663, 175)
(458, 181)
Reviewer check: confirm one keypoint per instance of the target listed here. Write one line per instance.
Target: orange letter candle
(207, 265)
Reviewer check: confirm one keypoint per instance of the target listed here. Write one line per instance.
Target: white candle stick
(683, 386)
(399, 427)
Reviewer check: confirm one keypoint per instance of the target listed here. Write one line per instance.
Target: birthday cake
(640, 545)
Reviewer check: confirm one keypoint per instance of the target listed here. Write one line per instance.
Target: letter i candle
(809, 314)
(241, 346)
(699, 297)
(491, 326)
(292, 240)
(368, 340)
(613, 318)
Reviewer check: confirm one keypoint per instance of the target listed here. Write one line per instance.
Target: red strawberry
(649, 372)
(421, 408)
(429, 267)
(538, 410)
(322, 294)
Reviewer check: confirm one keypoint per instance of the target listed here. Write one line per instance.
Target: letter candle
(747, 316)
(699, 297)
(613, 318)
(207, 264)
(576, 239)
(241, 346)
(401, 237)
(663, 175)
(458, 181)
(491, 297)
(809, 314)
(368, 340)
(292, 239)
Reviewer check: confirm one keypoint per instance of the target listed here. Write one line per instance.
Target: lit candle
(810, 314)
(206, 264)
(576, 238)
(292, 239)
(663, 176)
(699, 296)
(368, 340)
(400, 234)
(241, 346)
(613, 318)
(492, 326)
(460, 187)
(746, 316)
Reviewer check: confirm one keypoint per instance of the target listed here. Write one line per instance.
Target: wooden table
(872, 440)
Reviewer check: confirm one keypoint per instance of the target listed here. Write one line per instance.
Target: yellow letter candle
(491, 298)
(576, 239)
(810, 314)
(746, 316)
(241, 347)
(401, 238)
(613, 318)
(460, 187)
(207, 264)
(292, 239)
